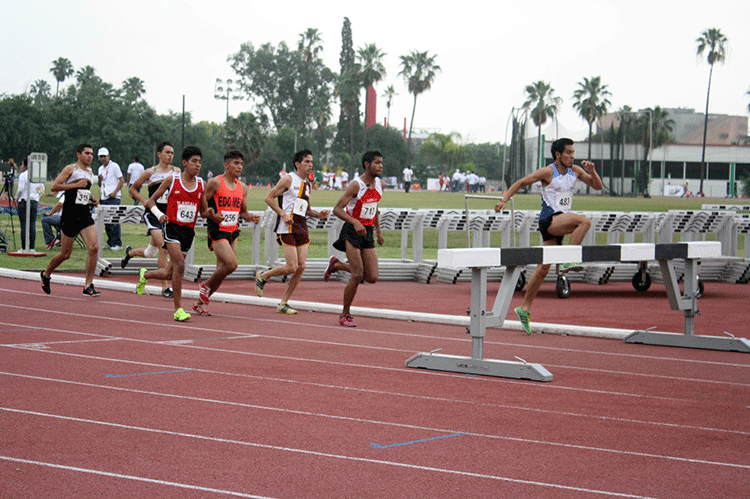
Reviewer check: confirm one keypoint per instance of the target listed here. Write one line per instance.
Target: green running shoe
(181, 315)
(283, 308)
(141, 286)
(260, 283)
(524, 318)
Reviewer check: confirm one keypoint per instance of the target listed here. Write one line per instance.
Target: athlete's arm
(543, 174)
(281, 186)
(340, 211)
(212, 186)
(135, 189)
(588, 175)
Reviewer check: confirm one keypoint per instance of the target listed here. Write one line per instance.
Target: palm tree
(85, 74)
(542, 103)
(309, 45)
(40, 90)
(371, 71)
(591, 101)
(61, 69)
(748, 106)
(134, 87)
(419, 71)
(390, 93)
(714, 41)
(660, 134)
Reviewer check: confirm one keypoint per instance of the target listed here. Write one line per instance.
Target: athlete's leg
(66, 249)
(177, 267)
(536, 280)
(300, 254)
(290, 263)
(226, 263)
(88, 234)
(570, 223)
(356, 264)
(370, 265)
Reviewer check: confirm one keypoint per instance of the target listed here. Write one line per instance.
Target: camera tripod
(11, 203)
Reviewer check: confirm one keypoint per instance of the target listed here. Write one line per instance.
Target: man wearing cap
(110, 185)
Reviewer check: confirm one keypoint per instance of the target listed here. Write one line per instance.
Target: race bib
(83, 196)
(164, 197)
(564, 201)
(300, 207)
(230, 218)
(369, 210)
(186, 212)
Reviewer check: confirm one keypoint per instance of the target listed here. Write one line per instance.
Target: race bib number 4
(300, 207)
(83, 196)
(369, 210)
(164, 198)
(230, 218)
(186, 212)
(564, 201)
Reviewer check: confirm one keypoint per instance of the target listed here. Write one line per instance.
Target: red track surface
(110, 397)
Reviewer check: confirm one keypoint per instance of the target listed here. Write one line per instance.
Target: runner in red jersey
(185, 193)
(358, 208)
(222, 205)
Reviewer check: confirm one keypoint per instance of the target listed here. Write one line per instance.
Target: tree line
(294, 93)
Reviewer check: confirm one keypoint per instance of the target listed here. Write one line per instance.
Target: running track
(110, 397)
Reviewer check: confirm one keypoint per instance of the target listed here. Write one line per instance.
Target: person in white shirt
(408, 172)
(135, 170)
(31, 204)
(110, 184)
(456, 181)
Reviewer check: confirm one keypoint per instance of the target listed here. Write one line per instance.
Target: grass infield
(133, 235)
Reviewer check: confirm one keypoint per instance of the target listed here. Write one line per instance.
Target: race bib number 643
(186, 212)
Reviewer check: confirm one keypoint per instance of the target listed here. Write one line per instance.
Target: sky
(645, 51)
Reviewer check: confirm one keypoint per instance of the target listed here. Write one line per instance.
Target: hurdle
(515, 259)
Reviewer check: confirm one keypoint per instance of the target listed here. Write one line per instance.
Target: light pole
(223, 90)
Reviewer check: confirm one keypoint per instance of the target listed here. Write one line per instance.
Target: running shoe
(524, 318)
(45, 283)
(126, 258)
(574, 267)
(200, 310)
(260, 283)
(331, 268)
(347, 321)
(181, 315)
(52, 244)
(141, 286)
(167, 293)
(90, 291)
(203, 292)
(284, 308)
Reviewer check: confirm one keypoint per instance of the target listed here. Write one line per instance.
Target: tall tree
(714, 42)
(591, 100)
(349, 123)
(390, 93)
(40, 91)
(542, 103)
(661, 126)
(371, 71)
(309, 46)
(61, 69)
(419, 71)
(445, 151)
(134, 88)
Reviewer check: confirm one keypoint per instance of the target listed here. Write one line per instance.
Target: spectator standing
(110, 185)
(135, 170)
(31, 204)
(408, 172)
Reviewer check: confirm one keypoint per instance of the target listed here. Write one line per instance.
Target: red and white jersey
(364, 206)
(182, 204)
